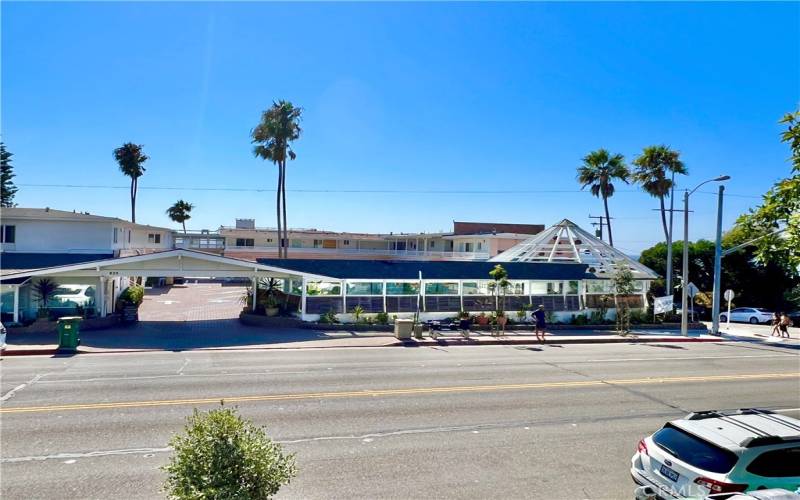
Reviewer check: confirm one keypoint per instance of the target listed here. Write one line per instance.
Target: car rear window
(694, 451)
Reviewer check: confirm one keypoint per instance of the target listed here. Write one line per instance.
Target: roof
(739, 429)
(566, 242)
(494, 227)
(66, 216)
(13, 262)
(388, 269)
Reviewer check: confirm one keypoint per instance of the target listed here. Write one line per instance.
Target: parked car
(795, 317)
(2, 337)
(650, 493)
(752, 315)
(73, 295)
(713, 452)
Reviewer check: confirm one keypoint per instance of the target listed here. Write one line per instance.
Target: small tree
(180, 212)
(7, 187)
(498, 286)
(44, 289)
(623, 286)
(222, 456)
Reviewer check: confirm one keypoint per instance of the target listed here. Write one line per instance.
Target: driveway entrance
(203, 301)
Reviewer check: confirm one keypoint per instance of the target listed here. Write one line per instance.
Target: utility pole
(717, 266)
(669, 236)
(603, 220)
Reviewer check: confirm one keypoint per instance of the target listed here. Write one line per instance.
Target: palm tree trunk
(608, 221)
(184, 226)
(285, 225)
(133, 199)
(664, 218)
(278, 213)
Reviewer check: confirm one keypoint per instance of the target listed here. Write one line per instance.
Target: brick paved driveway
(192, 302)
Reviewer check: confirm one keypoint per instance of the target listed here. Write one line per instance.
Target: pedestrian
(776, 324)
(786, 322)
(541, 324)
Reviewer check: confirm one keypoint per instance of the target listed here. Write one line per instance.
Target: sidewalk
(757, 333)
(221, 335)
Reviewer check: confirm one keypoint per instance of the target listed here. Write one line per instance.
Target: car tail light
(642, 447)
(715, 486)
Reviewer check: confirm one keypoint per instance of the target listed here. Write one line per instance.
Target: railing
(368, 251)
(206, 245)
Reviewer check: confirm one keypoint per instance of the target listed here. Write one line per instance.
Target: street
(455, 422)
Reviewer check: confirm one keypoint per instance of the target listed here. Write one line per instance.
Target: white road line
(10, 394)
(671, 358)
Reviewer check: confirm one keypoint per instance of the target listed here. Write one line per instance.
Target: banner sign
(662, 304)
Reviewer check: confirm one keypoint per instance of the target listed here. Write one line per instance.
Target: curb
(398, 343)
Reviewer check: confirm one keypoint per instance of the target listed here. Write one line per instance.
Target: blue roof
(14, 262)
(404, 269)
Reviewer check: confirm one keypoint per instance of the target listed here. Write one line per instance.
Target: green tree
(623, 281)
(499, 285)
(780, 209)
(44, 289)
(180, 212)
(654, 171)
(221, 456)
(273, 137)
(598, 171)
(7, 187)
(131, 160)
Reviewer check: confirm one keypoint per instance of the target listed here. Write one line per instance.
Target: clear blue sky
(442, 97)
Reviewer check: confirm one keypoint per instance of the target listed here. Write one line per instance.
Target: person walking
(786, 322)
(776, 324)
(541, 324)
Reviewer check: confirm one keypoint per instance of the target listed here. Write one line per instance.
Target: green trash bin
(69, 329)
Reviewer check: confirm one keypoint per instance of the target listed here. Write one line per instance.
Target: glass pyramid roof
(566, 242)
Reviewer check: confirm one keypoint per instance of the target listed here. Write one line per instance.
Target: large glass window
(323, 288)
(402, 288)
(72, 296)
(555, 288)
(539, 287)
(449, 288)
(572, 287)
(364, 288)
(245, 242)
(599, 286)
(694, 451)
(9, 234)
(476, 288)
(516, 288)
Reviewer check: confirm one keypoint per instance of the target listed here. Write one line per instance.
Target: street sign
(662, 304)
(692, 290)
(729, 295)
(729, 298)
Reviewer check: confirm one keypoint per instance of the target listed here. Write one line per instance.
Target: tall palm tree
(131, 163)
(598, 170)
(180, 212)
(655, 172)
(279, 126)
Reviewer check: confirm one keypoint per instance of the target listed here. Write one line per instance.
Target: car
(74, 295)
(795, 317)
(2, 337)
(752, 315)
(711, 452)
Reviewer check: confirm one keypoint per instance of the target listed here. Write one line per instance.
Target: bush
(579, 320)
(328, 317)
(382, 318)
(222, 456)
(640, 316)
(133, 295)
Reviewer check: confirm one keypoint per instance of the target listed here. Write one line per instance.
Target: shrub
(328, 317)
(222, 456)
(579, 320)
(382, 318)
(357, 311)
(640, 316)
(133, 295)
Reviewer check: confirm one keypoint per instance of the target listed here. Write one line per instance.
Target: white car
(73, 295)
(2, 336)
(753, 315)
(714, 452)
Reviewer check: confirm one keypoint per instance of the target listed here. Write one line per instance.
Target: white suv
(717, 452)
(752, 315)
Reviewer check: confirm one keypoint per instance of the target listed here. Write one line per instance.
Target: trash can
(69, 329)
(403, 328)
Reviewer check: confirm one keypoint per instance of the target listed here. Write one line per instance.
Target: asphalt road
(462, 422)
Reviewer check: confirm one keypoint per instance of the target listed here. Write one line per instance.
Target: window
(364, 288)
(245, 242)
(116, 236)
(317, 243)
(555, 288)
(475, 288)
(9, 234)
(432, 244)
(323, 288)
(467, 247)
(479, 245)
(572, 287)
(296, 243)
(694, 451)
(129, 235)
(777, 463)
(402, 288)
(450, 288)
(346, 242)
(154, 238)
(269, 240)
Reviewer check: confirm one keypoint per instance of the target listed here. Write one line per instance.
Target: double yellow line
(398, 392)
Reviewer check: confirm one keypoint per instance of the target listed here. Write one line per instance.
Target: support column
(101, 297)
(255, 292)
(384, 296)
(344, 296)
(303, 298)
(16, 303)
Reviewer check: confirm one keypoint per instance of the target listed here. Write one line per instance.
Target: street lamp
(685, 274)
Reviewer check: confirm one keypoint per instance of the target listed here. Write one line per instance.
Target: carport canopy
(178, 262)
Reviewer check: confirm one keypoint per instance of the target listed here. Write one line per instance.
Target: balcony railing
(407, 254)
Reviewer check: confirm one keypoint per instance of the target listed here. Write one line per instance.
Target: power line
(343, 191)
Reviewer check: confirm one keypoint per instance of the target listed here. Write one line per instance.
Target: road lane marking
(676, 358)
(10, 394)
(397, 392)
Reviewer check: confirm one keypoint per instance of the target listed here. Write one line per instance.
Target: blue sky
(450, 98)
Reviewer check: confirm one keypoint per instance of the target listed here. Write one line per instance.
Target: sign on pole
(662, 304)
(691, 290)
(729, 297)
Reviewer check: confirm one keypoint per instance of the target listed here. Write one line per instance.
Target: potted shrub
(271, 306)
(482, 319)
(358, 312)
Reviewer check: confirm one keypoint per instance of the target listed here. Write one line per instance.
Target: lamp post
(717, 266)
(685, 274)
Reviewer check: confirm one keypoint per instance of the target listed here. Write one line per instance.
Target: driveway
(192, 302)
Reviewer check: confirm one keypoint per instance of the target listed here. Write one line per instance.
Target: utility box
(403, 328)
(69, 329)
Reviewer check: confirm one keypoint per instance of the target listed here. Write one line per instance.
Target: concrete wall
(60, 236)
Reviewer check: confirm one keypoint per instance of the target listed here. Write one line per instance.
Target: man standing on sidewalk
(539, 316)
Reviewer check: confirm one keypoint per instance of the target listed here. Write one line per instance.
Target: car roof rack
(704, 414)
(752, 442)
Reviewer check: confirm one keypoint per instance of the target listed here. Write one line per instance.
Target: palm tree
(131, 163)
(273, 137)
(652, 168)
(598, 170)
(180, 212)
